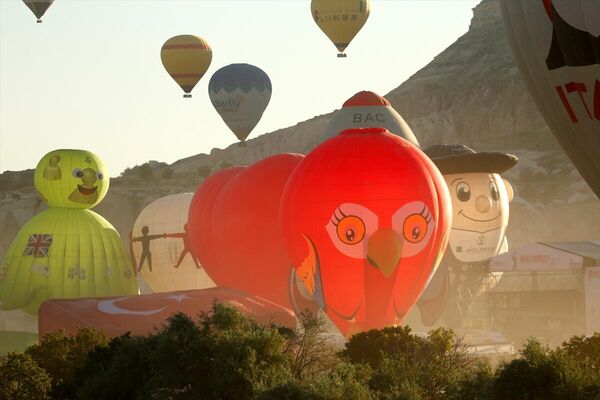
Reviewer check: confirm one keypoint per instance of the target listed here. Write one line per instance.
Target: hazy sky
(90, 75)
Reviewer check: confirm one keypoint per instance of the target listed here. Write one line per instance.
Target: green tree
(204, 171)
(167, 173)
(60, 355)
(145, 172)
(22, 379)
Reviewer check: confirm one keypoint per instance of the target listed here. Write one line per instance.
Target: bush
(22, 379)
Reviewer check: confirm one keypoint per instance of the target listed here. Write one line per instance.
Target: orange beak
(384, 251)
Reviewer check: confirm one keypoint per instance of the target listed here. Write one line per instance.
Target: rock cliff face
(471, 93)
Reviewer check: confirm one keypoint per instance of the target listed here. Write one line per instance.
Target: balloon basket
(187, 96)
(242, 144)
(342, 55)
(39, 21)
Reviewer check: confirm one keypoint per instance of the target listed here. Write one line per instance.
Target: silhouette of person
(145, 240)
(52, 171)
(186, 247)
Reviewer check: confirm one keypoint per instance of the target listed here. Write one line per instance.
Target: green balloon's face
(71, 178)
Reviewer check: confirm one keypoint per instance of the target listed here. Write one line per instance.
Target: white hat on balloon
(368, 110)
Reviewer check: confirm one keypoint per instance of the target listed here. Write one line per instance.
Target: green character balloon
(66, 251)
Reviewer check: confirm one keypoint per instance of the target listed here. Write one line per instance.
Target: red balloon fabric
(240, 242)
(366, 217)
(141, 315)
(200, 214)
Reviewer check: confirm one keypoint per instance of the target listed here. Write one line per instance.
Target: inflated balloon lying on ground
(142, 315)
(556, 45)
(355, 228)
(66, 251)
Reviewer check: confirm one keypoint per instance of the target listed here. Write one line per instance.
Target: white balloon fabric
(556, 45)
(160, 248)
(240, 93)
(368, 110)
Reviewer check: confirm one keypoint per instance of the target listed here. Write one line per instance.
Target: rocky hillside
(471, 93)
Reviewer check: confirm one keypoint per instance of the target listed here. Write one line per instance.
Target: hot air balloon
(66, 251)
(38, 7)
(142, 315)
(239, 211)
(368, 110)
(480, 200)
(18, 330)
(161, 249)
(366, 217)
(340, 20)
(240, 93)
(186, 58)
(556, 44)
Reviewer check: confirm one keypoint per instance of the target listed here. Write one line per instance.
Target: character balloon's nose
(483, 204)
(384, 251)
(89, 176)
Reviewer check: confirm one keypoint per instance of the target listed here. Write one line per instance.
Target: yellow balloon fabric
(186, 58)
(340, 20)
(71, 178)
(66, 251)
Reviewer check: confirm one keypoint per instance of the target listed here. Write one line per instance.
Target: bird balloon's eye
(351, 229)
(77, 173)
(415, 228)
(100, 175)
(463, 192)
(494, 191)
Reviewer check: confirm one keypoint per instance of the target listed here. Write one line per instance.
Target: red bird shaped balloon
(366, 217)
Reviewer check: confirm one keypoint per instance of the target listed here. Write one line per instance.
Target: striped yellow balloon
(186, 58)
(340, 20)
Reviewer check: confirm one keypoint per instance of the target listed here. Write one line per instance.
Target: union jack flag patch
(38, 245)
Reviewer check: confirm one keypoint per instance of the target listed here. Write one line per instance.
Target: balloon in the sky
(556, 44)
(38, 7)
(241, 211)
(161, 248)
(240, 93)
(66, 251)
(366, 216)
(340, 20)
(186, 58)
(142, 315)
(368, 110)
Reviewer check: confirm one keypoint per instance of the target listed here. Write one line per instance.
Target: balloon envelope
(167, 263)
(368, 110)
(142, 315)
(366, 216)
(247, 249)
(240, 93)
(38, 7)
(340, 20)
(556, 45)
(66, 251)
(186, 58)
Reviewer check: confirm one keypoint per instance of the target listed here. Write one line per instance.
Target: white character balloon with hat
(480, 202)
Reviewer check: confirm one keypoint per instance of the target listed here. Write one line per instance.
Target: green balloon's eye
(100, 175)
(77, 173)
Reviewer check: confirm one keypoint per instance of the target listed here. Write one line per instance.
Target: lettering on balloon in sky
(368, 117)
(232, 104)
(587, 95)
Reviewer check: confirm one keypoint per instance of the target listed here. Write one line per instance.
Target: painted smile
(87, 191)
(346, 317)
(477, 220)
